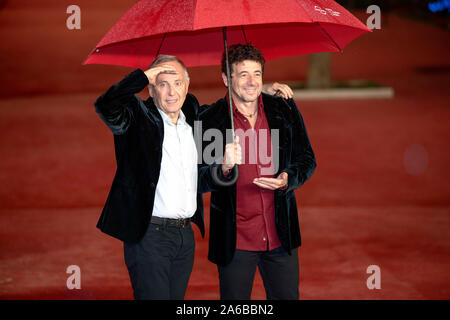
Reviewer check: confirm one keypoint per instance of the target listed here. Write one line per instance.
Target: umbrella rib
(243, 33)
(329, 37)
(160, 45)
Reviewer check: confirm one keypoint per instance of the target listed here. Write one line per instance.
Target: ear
(224, 78)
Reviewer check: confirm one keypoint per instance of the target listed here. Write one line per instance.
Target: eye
(178, 83)
(162, 85)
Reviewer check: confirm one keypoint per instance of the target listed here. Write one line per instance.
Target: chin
(173, 108)
(251, 99)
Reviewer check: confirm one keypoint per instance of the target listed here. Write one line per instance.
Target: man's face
(170, 90)
(246, 81)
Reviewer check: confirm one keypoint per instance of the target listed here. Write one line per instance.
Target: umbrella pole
(227, 63)
(215, 171)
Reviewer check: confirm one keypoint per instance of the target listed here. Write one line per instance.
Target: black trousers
(161, 263)
(279, 272)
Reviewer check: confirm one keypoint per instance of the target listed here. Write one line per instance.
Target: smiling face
(246, 81)
(170, 90)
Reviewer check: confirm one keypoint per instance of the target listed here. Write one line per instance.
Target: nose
(171, 90)
(250, 80)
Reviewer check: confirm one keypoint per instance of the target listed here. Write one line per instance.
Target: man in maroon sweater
(254, 222)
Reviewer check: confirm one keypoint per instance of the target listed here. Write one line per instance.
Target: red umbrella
(192, 30)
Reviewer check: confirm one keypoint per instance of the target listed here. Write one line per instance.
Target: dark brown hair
(240, 52)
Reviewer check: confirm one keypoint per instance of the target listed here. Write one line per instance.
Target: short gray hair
(166, 58)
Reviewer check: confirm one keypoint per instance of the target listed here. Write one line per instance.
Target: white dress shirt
(176, 191)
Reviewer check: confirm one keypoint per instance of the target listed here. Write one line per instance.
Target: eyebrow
(242, 72)
(177, 79)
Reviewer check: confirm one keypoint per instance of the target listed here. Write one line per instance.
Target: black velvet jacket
(296, 157)
(138, 137)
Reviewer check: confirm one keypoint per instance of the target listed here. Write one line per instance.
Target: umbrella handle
(221, 183)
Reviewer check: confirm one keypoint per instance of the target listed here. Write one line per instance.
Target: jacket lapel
(276, 121)
(273, 114)
(154, 116)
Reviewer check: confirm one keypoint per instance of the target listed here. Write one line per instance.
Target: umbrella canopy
(192, 30)
(197, 31)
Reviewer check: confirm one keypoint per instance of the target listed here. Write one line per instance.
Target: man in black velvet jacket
(154, 196)
(254, 223)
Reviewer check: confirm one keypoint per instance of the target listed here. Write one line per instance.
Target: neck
(174, 120)
(245, 107)
(173, 116)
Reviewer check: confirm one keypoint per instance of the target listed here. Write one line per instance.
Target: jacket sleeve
(116, 106)
(206, 182)
(303, 162)
(205, 177)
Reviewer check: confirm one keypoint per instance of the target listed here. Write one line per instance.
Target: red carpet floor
(380, 195)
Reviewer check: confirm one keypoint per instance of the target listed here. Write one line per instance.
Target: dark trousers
(161, 263)
(279, 272)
